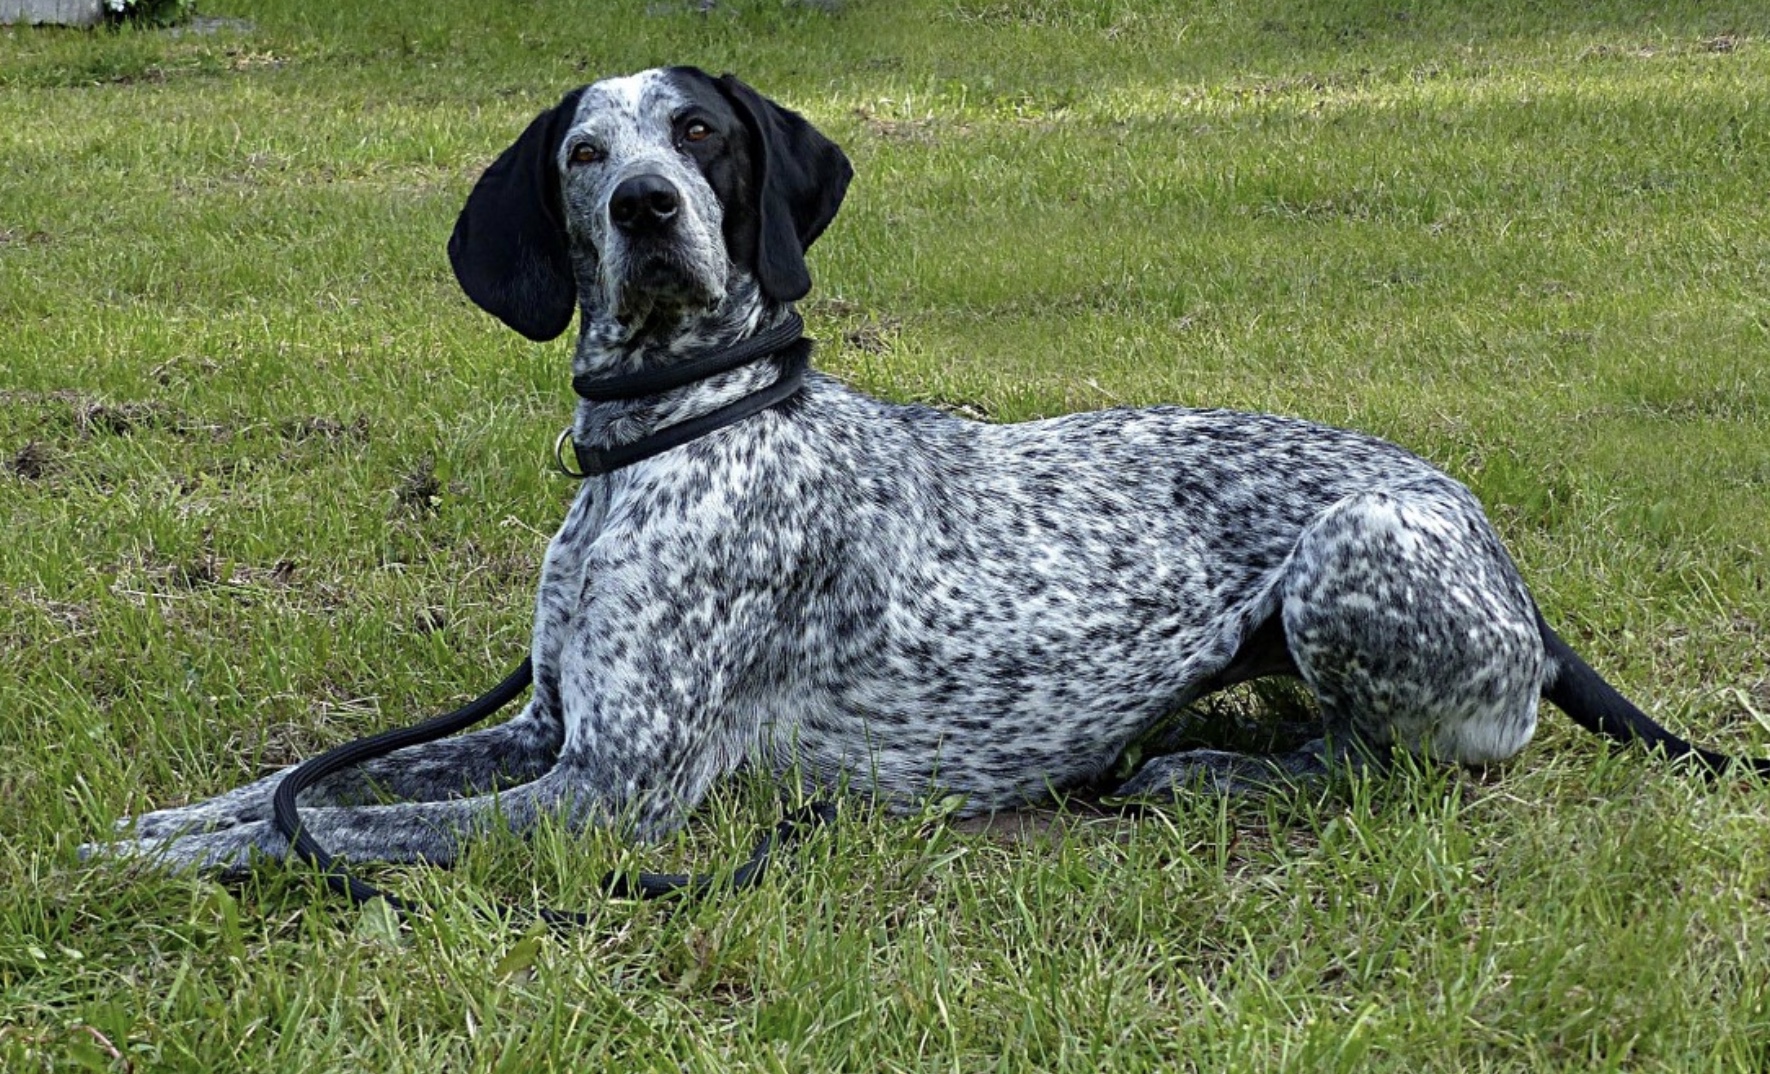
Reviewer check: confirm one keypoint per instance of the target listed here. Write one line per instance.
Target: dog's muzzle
(663, 262)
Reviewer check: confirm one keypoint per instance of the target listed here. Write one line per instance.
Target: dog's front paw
(171, 823)
(94, 851)
(227, 852)
(216, 814)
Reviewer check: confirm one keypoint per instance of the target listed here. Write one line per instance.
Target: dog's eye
(585, 153)
(696, 131)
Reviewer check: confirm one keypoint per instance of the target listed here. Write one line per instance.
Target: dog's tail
(1597, 706)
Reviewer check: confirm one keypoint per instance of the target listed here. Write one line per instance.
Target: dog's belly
(1016, 639)
(1006, 678)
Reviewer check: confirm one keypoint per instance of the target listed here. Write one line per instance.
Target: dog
(889, 598)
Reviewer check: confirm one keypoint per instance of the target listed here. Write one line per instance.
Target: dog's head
(645, 196)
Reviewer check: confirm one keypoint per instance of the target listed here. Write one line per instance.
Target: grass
(269, 482)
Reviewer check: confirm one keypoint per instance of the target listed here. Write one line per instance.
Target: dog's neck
(608, 347)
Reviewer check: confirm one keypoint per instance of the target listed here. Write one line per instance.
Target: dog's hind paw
(1224, 773)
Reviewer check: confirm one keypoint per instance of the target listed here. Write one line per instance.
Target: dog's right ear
(508, 248)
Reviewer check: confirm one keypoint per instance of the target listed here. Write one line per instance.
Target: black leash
(284, 808)
(285, 811)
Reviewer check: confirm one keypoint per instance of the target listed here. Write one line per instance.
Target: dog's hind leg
(1407, 620)
(1410, 624)
(1262, 653)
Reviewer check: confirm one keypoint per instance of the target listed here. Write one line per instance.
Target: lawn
(269, 481)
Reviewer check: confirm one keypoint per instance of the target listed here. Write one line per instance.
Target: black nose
(643, 203)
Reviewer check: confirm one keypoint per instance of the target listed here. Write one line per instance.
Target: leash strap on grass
(287, 817)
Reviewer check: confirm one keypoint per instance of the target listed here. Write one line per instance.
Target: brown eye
(696, 131)
(585, 153)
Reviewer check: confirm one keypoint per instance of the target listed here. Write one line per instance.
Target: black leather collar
(595, 461)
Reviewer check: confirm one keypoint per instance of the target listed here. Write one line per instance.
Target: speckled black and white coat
(886, 597)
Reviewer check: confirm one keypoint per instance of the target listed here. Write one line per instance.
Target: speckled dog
(886, 596)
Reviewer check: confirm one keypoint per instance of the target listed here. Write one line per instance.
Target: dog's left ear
(802, 175)
(509, 244)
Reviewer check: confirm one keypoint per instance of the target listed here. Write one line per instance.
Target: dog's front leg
(654, 716)
(654, 688)
(477, 763)
(399, 832)
(635, 769)
(648, 727)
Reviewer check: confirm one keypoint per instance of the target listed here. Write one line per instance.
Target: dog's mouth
(660, 281)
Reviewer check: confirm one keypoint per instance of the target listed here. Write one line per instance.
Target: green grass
(268, 481)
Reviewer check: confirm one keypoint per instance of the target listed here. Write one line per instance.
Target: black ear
(803, 176)
(508, 248)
